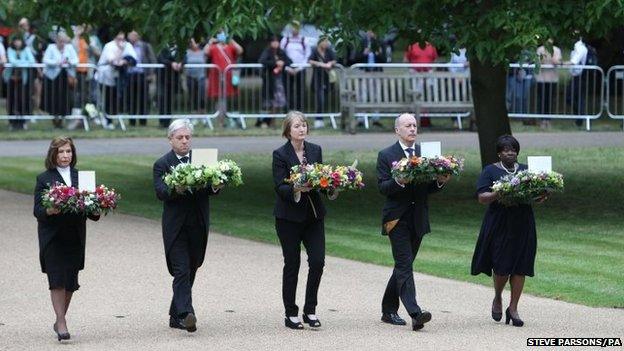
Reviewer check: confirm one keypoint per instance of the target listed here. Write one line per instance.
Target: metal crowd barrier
(615, 93)
(38, 92)
(443, 88)
(146, 91)
(264, 94)
(555, 92)
(241, 91)
(153, 91)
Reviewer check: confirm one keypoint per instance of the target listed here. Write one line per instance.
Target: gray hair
(396, 120)
(179, 124)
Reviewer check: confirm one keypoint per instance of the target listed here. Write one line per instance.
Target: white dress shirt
(106, 72)
(65, 174)
(53, 57)
(578, 56)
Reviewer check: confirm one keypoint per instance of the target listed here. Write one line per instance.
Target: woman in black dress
(299, 214)
(323, 60)
(507, 241)
(61, 236)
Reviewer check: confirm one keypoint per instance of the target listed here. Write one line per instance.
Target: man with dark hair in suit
(185, 221)
(405, 221)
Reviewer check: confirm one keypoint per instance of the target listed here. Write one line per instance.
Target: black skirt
(57, 95)
(507, 242)
(63, 258)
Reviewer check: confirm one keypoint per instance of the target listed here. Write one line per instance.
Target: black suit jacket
(284, 158)
(49, 226)
(399, 199)
(177, 206)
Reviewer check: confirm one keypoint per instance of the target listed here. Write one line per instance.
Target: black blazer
(398, 199)
(49, 226)
(176, 206)
(284, 158)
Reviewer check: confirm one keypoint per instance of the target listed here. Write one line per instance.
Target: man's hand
(180, 189)
(303, 189)
(52, 211)
(443, 179)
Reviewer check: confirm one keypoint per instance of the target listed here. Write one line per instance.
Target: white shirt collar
(403, 146)
(187, 155)
(65, 173)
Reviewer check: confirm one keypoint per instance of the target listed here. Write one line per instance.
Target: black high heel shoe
(60, 336)
(517, 322)
(314, 323)
(497, 316)
(292, 325)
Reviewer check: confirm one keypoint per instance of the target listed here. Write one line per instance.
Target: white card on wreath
(430, 149)
(86, 180)
(205, 157)
(540, 163)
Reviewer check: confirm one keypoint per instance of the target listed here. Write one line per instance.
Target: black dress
(61, 237)
(507, 242)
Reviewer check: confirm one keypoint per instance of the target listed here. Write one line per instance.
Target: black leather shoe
(292, 325)
(419, 320)
(187, 323)
(314, 323)
(517, 322)
(392, 318)
(60, 336)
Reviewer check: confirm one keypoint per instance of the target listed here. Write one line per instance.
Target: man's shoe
(187, 323)
(392, 318)
(419, 320)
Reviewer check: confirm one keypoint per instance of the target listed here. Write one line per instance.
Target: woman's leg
(517, 284)
(59, 303)
(499, 286)
(314, 242)
(68, 297)
(290, 240)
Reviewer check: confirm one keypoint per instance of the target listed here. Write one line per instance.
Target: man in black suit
(185, 221)
(405, 221)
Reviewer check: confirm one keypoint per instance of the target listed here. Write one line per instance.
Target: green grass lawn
(580, 234)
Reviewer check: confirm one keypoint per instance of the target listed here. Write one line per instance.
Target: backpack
(592, 56)
(302, 42)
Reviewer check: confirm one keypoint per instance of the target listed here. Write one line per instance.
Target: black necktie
(410, 151)
(184, 159)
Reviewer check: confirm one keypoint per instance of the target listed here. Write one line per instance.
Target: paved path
(262, 144)
(123, 301)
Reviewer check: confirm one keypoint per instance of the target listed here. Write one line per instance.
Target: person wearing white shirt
(297, 48)
(59, 78)
(405, 219)
(577, 88)
(116, 55)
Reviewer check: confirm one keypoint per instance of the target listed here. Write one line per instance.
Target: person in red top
(417, 54)
(222, 52)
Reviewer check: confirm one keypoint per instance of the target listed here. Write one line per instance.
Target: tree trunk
(489, 86)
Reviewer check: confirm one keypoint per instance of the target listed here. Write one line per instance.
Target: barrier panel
(266, 93)
(615, 93)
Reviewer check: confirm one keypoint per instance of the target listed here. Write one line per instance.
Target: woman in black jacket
(61, 236)
(299, 214)
(274, 60)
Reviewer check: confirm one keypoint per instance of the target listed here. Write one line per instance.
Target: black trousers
(291, 234)
(185, 263)
(405, 244)
(136, 97)
(295, 90)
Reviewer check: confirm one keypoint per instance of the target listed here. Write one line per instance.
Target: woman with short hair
(299, 218)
